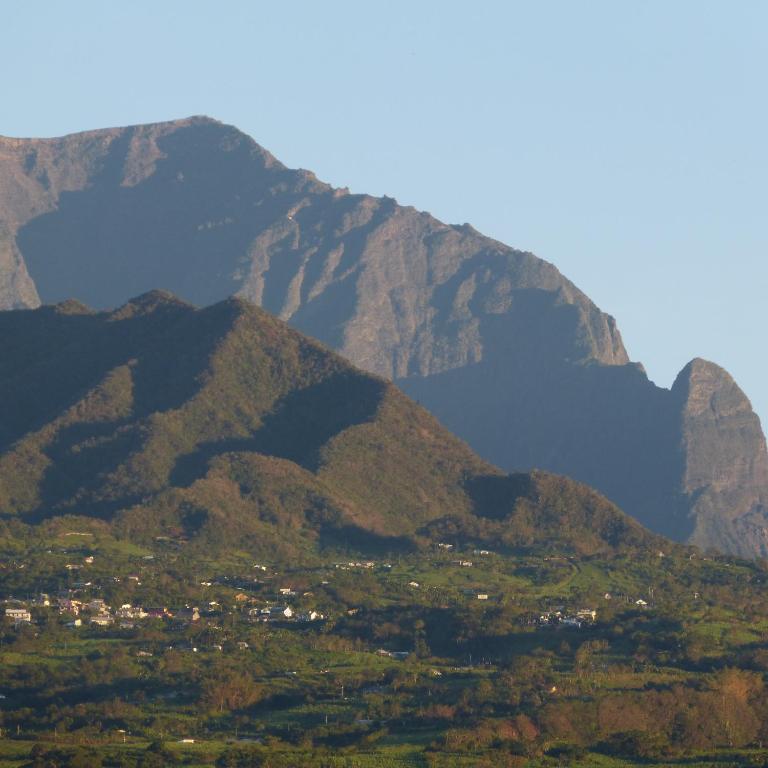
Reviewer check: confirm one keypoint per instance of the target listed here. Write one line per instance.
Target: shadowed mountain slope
(225, 426)
(497, 343)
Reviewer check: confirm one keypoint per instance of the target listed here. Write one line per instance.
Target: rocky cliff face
(201, 209)
(725, 466)
(496, 342)
(17, 291)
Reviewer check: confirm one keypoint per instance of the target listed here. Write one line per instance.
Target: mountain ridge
(507, 352)
(130, 168)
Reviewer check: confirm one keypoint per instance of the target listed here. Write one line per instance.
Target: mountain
(501, 347)
(226, 427)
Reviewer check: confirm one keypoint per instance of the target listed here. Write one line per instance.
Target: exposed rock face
(496, 342)
(725, 472)
(201, 209)
(17, 291)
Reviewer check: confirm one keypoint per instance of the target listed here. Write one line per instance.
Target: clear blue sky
(627, 142)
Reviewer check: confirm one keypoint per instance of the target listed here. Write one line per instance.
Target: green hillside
(223, 427)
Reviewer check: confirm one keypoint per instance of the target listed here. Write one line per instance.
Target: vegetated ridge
(225, 428)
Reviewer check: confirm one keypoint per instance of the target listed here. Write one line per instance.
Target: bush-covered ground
(407, 668)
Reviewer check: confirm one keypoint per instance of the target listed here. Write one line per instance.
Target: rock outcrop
(725, 466)
(17, 290)
(506, 351)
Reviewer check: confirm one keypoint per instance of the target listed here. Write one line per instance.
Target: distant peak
(196, 119)
(150, 302)
(162, 125)
(72, 307)
(699, 370)
(706, 388)
(700, 364)
(181, 122)
(240, 307)
(244, 302)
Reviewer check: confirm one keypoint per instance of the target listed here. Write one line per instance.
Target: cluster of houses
(95, 612)
(560, 617)
(448, 547)
(98, 613)
(283, 613)
(256, 611)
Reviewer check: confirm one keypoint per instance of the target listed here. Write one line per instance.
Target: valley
(563, 657)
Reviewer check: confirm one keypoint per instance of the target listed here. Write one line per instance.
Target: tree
(234, 690)
(735, 690)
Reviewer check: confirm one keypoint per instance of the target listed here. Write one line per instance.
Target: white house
(310, 616)
(18, 615)
(128, 611)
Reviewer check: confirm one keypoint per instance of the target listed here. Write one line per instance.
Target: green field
(679, 681)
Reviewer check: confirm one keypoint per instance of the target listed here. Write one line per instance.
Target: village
(96, 612)
(95, 593)
(342, 640)
(257, 597)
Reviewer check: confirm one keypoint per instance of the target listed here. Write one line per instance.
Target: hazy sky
(626, 142)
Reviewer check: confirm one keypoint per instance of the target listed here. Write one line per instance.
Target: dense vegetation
(225, 427)
(408, 667)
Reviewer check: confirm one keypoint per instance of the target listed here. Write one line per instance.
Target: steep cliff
(201, 209)
(725, 465)
(17, 290)
(497, 343)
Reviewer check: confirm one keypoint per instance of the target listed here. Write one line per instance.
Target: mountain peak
(161, 125)
(148, 303)
(700, 366)
(725, 462)
(72, 307)
(707, 387)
